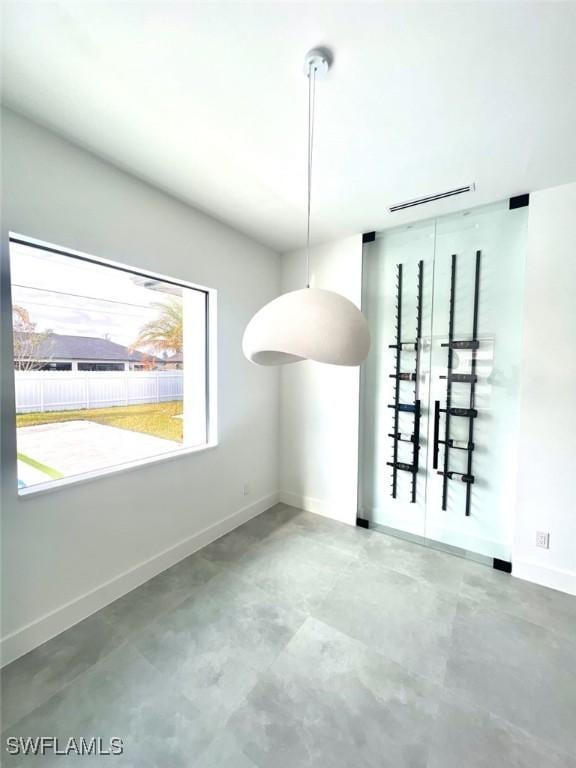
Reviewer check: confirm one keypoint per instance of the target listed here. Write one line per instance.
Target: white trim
(555, 578)
(27, 638)
(340, 513)
(212, 368)
(34, 241)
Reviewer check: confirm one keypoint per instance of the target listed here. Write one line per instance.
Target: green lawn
(153, 418)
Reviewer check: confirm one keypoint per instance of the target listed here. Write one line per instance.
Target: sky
(72, 296)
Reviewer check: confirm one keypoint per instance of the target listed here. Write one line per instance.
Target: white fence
(72, 390)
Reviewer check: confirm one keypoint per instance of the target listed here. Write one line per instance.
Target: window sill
(86, 477)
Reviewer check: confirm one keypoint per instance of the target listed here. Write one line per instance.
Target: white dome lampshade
(308, 324)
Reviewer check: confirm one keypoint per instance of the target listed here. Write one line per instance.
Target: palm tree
(164, 333)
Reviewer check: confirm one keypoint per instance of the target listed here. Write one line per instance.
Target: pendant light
(310, 323)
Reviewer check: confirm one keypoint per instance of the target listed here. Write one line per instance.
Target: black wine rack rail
(449, 410)
(400, 376)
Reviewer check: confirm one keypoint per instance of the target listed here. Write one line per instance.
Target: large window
(111, 365)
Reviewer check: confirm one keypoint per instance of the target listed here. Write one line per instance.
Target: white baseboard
(565, 581)
(319, 507)
(48, 626)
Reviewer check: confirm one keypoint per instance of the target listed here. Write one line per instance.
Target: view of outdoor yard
(99, 365)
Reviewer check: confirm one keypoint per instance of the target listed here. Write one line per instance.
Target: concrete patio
(75, 447)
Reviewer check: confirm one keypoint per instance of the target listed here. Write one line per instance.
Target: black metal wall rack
(406, 376)
(449, 411)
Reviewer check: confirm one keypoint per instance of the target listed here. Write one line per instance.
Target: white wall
(546, 496)
(319, 403)
(67, 553)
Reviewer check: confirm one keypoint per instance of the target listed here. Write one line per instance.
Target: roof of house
(175, 358)
(58, 346)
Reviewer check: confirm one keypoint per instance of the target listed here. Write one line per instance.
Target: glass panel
(406, 246)
(500, 236)
(110, 365)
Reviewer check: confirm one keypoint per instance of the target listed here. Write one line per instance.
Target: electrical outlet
(543, 539)
(246, 489)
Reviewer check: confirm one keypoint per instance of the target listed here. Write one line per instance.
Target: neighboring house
(59, 352)
(172, 363)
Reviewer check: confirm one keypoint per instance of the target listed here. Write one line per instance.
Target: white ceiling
(208, 101)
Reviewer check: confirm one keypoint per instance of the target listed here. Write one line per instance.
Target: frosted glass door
(406, 247)
(499, 235)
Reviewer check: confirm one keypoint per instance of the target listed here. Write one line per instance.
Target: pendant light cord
(311, 104)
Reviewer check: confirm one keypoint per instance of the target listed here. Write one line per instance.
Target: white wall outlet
(543, 539)
(246, 489)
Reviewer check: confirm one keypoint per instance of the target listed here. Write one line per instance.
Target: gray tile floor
(296, 641)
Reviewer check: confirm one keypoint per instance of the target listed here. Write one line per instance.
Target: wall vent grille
(430, 198)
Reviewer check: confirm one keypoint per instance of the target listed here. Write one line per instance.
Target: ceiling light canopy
(310, 323)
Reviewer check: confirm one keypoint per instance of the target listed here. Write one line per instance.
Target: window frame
(211, 356)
